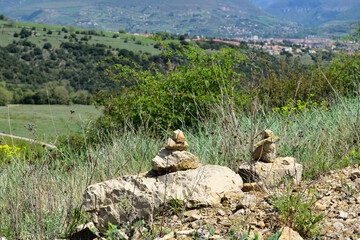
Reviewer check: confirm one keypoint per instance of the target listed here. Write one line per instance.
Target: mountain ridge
(227, 18)
(314, 12)
(217, 18)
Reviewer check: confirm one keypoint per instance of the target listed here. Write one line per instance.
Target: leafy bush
(179, 94)
(5, 96)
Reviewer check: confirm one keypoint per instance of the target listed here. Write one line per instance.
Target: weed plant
(297, 211)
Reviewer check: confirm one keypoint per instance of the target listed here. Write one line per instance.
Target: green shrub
(296, 211)
(5, 96)
(180, 94)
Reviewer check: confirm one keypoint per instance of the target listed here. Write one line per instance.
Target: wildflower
(352, 153)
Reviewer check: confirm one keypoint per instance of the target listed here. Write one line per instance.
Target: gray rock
(174, 160)
(343, 214)
(167, 236)
(221, 212)
(172, 145)
(271, 173)
(355, 175)
(178, 136)
(248, 201)
(339, 226)
(140, 196)
(87, 231)
(266, 152)
(289, 234)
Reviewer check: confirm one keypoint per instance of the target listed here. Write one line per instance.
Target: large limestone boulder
(115, 200)
(271, 173)
(112, 200)
(174, 160)
(205, 186)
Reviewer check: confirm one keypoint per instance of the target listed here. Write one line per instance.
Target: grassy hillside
(41, 35)
(41, 61)
(199, 17)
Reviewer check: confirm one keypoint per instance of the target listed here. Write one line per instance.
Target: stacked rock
(174, 157)
(266, 167)
(265, 150)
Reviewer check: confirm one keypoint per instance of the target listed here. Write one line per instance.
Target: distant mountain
(316, 12)
(226, 18)
(263, 3)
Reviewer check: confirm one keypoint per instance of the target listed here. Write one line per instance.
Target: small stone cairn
(266, 168)
(265, 150)
(174, 157)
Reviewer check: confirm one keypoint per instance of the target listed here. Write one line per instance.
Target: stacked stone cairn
(174, 157)
(266, 168)
(175, 174)
(265, 150)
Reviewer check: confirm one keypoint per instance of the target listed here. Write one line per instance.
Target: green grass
(47, 122)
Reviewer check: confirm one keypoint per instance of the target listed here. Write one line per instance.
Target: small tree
(5, 96)
(47, 46)
(60, 95)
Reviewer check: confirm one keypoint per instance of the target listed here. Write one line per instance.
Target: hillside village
(276, 46)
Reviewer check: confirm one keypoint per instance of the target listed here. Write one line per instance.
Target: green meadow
(45, 122)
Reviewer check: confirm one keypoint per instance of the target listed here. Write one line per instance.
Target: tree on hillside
(60, 95)
(5, 96)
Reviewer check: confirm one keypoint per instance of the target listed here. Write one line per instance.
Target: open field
(44, 122)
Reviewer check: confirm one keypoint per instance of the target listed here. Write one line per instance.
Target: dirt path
(28, 139)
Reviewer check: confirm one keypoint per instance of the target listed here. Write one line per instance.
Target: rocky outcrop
(112, 201)
(271, 173)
